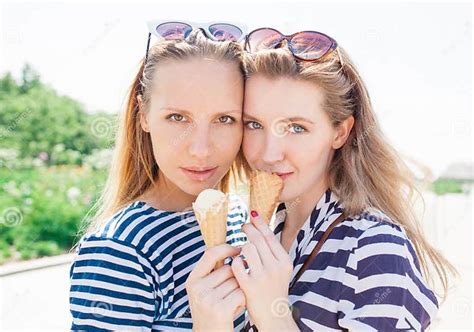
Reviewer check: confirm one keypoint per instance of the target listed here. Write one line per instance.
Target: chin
(195, 187)
(288, 195)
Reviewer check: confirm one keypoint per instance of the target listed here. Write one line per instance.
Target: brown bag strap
(318, 247)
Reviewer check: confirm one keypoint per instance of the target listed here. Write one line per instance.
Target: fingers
(238, 311)
(211, 256)
(255, 237)
(252, 257)
(275, 246)
(240, 273)
(226, 288)
(235, 299)
(217, 277)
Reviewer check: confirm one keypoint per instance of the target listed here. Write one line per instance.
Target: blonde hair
(134, 170)
(366, 172)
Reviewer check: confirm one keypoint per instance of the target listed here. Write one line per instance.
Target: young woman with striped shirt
(308, 118)
(180, 134)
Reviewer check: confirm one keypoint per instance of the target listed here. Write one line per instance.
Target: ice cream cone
(265, 190)
(211, 208)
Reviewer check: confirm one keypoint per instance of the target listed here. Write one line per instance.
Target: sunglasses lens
(310, 45)
(223, 31)
(263, 39)
(173, 30)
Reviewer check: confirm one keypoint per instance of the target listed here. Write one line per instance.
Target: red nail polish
(254, 213)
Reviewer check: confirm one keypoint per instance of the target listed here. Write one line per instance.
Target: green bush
(41, 209)
(53, 163)
(445, 186)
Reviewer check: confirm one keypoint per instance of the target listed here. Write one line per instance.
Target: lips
(199, 173)
(198, 169)
(283, 175)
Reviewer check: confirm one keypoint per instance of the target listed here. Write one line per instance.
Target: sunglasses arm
(147, 48)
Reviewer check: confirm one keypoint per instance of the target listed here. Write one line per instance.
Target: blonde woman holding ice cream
(180, 134)
(346, 251)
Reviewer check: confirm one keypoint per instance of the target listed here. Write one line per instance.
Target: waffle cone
(265, 190)
(213, 224)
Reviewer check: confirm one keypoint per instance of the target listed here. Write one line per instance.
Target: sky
(415, 58)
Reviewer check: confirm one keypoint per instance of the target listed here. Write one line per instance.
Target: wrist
(278, 322)
(213, 326)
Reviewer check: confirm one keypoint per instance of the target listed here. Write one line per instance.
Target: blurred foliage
(447, 186)
(43, 207)
(39, 123)
(53, 163)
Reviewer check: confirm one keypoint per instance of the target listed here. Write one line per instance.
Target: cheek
(251, 145)
(312, 157)
(227, 142)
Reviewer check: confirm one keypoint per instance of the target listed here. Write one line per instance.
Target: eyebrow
(292, 119)
(174, 109)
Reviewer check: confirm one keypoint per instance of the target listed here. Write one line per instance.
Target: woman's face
(195, 121)
(286, 131)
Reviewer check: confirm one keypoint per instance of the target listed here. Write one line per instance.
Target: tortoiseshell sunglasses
(305, 45)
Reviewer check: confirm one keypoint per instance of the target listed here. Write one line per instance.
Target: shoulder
(123, 229)
(383, 271)
(374, 234)
(373, 227)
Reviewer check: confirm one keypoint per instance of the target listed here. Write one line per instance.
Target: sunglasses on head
(179, 30)
(305, 45)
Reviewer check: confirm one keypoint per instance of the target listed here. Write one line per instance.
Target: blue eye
(175, 117)
(296, 129)
(226, 119)
(253, 125)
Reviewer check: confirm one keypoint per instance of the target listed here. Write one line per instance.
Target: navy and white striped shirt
(131, 274)
(366, 276)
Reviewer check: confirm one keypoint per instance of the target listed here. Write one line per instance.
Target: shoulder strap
(318, 247)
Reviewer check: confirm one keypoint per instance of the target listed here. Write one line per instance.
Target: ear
(143, 115)
(342, 132)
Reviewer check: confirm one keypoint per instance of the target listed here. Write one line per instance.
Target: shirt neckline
(327, 206)
(148, 206)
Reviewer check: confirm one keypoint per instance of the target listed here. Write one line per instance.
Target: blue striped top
(130, 275)
(366, 276)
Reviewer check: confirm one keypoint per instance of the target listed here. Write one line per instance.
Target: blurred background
(64, 73)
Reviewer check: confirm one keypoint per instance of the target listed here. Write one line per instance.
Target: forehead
(269, 98)
(197, 84)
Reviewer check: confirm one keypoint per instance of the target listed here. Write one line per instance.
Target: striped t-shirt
(131, 274)
(366, 276)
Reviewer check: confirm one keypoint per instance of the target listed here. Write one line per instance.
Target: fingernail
(254, 213)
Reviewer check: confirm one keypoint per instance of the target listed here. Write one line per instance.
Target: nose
(200, 147)
(273, 151)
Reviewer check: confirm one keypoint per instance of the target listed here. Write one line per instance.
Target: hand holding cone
(211, 208)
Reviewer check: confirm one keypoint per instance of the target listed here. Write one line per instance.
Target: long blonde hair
(366, 172)
(133, 169)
